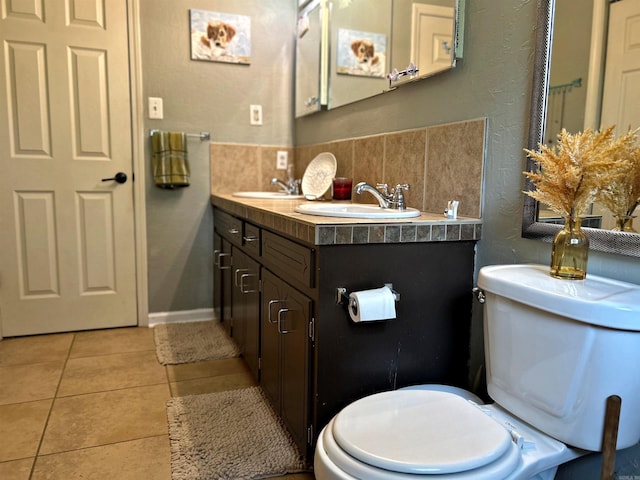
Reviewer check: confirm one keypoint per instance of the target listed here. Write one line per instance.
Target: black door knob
(120, 177)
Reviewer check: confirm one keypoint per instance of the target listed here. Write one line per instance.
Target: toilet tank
(556, 349)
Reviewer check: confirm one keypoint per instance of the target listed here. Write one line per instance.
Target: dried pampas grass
(571, 175)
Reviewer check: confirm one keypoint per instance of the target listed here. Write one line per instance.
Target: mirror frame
(621, 243)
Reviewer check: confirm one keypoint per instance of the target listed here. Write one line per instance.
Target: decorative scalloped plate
(318, 176)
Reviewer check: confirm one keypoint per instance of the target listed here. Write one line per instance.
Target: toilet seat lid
(420, 432)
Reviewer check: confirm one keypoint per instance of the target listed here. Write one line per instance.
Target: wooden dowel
(610, 436)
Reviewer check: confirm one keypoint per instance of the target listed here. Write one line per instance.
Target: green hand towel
(169, 159)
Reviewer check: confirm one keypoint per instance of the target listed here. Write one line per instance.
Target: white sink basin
(269, 195)
(354, 210)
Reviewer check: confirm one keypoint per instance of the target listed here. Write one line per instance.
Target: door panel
(90, 108)
(65, 124)
(29, 105)
(95, 218)
(37, 260)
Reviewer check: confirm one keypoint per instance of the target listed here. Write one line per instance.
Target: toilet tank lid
(595, 300)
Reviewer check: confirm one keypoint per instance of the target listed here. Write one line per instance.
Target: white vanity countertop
(280, 216)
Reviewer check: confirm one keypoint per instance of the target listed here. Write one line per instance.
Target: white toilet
(555, 350)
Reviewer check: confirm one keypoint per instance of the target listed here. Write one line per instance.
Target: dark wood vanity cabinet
(270, 320)
(314, 359)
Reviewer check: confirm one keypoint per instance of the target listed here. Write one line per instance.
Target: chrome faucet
(386, 199)
(291, 186)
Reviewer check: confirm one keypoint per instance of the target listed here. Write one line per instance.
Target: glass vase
(570, 251)
(624, 223)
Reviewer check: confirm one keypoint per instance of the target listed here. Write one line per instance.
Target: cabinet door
(246, 307)
(286, 315)
(217, 276)
(239, 268)
(250, 288)
(293, 326)
(222, 280)
(270, 338)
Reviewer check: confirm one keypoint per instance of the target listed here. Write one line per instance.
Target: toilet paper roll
(370, 305)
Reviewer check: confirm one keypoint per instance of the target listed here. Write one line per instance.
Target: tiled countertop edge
(279, 215)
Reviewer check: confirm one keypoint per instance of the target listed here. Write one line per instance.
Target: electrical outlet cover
(282, 160)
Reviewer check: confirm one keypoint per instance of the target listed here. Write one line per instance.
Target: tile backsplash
(440, 163)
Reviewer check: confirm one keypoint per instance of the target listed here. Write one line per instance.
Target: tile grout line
(89, 447)
(166, 376)
(83, 394)
(166, 369)
(53, 401)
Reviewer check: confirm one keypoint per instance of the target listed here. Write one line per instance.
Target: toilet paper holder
(342, 296)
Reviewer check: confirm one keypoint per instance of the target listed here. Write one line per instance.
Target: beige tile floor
(91, 405)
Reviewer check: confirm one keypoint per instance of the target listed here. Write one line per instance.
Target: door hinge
(312, 329)
(310, 434)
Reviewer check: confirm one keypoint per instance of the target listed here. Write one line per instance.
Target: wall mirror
(427, 33)
(359, 46)
(572, 96)
(354, 44)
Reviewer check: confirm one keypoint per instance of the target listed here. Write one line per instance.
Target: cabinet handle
(234, 231)
(243, 286)
(271, 303)
(250, 239)
(235, 275)
(218, 260)
(281, 313)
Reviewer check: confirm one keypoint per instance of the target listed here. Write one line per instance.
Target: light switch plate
(255, 112)
(155, 108)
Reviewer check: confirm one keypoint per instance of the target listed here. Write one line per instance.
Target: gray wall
(493, 80)
(206, 96)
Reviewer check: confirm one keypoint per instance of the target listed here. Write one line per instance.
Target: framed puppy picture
(220, 37)
(361, 53)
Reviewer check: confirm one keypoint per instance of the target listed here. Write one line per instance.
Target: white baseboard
(198, 315)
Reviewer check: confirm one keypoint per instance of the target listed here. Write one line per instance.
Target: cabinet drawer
(290, 260)
(228, 227)
(251, 239)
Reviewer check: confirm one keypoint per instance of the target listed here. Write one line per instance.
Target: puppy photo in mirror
(220, 37)
(361, 53)
(370, 62)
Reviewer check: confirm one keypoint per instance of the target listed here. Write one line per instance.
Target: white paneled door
(621, 91)
(621, 97)
(432, 37)
(67, 253)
